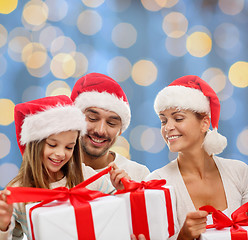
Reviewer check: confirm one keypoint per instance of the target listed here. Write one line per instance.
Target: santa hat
(99, 90)
(38, 119)
(192, 93)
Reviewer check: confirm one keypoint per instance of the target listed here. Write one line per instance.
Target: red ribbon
(238, 218)
(79, 197)
(138, 205)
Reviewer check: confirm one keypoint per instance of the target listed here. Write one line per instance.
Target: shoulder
(87, 171)
(165, 172)
(232, 164)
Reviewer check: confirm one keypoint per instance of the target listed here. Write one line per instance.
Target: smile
(55, 161)
(173, 137)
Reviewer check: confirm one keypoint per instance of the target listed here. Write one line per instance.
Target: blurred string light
(46, 50)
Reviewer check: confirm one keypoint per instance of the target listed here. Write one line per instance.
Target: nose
(169, 126)
(101, 127)
(60, 153)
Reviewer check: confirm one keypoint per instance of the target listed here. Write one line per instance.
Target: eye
(179, 119)
(69, 148)
(51, 145)
(91, 118)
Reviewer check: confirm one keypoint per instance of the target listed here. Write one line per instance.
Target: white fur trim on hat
(106, 101)
(183, 98)
(41, 125)
(214, 143)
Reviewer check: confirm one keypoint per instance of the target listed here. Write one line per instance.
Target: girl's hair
(33, 173)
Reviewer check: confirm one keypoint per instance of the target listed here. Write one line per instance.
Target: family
(64, 141)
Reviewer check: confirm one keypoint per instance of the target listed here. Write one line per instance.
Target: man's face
(103, 128)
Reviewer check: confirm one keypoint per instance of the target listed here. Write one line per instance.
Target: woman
(186, 109)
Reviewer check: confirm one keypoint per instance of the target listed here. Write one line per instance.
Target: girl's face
(182, 130)
(58, 150)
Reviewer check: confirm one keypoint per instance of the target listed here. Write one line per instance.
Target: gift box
(56, 220)
(223, 227)
(151, 208)
(70, 214)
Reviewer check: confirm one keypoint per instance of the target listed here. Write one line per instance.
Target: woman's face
(182, 130)
(58, 150)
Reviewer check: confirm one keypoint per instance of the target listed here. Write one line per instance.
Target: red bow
(238, 218)
(79, 197)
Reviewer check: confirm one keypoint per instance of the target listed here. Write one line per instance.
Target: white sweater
(136, 171)
(234, 175)
(18, 224)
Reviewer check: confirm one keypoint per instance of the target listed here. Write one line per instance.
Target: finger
(141, 237)
(113, 165)
(133, 237)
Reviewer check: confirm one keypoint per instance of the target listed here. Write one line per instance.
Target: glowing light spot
(4, 145)
(42, 71)
(144, 73)
(57, 9)
(7, 111)
(119, 68)
(118, 5)
(175, 24)
(62, 44)
(121, 146)
(89, 22)
(34, 55)
(58, 86)
(35, 13)
(81, 64)
(226, 35)
(63, 66)
(3, 35)
(93, 3)
(199, 44)
(8, 6)
(152, 141)
(166, 3)
(151, 5)
(3, 64)
(242, 142)
(16, 45)
(238, 74)
(135, 137)
(216, 79)
(7, 172)
(124, 35)
(231, 7)
(176, 46)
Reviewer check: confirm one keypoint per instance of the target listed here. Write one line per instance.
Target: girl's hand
(116, 175)
(140, 237)
(195, 224)
(6, 210)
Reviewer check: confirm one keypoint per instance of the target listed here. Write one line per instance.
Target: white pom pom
(214, 143)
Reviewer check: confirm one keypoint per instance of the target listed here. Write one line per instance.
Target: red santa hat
(192, 93)
(38, 119)
(99, 90)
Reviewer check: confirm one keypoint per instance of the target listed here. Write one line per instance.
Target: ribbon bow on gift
(238, 218)
(138, 204)
(79, 197)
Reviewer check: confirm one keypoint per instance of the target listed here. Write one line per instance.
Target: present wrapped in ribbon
(76, 213)
(151, 208)
(224, 228)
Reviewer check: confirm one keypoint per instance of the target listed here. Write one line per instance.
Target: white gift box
(156, 212)
(56, 220)
(223, 234)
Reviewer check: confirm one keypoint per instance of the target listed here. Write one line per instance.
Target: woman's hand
(140, 237)
(6, 210)
(195, 224)
(116, 175)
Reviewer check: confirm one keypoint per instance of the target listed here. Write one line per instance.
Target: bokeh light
(144, 72)
(7, 172)
(124, 35)
(58, 87)
(199, 44)
(8, 6)
(176, 46)
(238, 74)
(119, 68)
(57, 9)
(4, 145)
(122, 147)
(175, 24)
(231, 7)
(4, 35)
(7, 111)
(93, 3)
(242, 142)
(62, 44)
(89, 22)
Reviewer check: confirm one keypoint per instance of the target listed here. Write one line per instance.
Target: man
(108, 115)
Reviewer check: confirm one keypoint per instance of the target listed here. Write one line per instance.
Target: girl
(186, 108)
(48, 131)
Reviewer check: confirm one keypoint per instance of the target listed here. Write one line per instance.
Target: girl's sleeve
(7, 235)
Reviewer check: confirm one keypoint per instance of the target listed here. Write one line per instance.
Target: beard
(94, 152)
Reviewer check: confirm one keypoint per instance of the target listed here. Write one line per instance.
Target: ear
(120, 132)
(205, 123)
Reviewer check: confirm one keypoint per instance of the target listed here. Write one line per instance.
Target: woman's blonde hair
(33, 173)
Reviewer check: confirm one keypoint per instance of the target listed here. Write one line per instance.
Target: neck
(197, 163)
(99, 162)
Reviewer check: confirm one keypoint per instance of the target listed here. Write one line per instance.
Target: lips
(55, 161)
(97, 141)
(173, 137)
